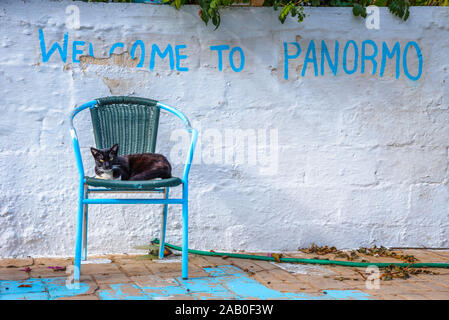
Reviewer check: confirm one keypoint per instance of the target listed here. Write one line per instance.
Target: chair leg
(79, 235)
(185, 236)
(163, 225)
(85, 217)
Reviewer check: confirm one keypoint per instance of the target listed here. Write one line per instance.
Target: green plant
(210, 9)
(290, 7)
(123, 1)
(400, 8)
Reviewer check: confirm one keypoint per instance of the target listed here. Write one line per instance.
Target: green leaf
(216, 20)
(407, 14)
(204, 17)
(400, 8)
(359, 10)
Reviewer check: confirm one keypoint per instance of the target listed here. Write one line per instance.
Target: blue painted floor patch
(39, 289)
(223, 282)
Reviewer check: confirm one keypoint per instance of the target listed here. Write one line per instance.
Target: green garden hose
(309, 261)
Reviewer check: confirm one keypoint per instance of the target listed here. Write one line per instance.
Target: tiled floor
(125, 277)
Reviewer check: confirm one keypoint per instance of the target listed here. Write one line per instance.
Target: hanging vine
(210, 9)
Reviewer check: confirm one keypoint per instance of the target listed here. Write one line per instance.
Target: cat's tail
(162, 173)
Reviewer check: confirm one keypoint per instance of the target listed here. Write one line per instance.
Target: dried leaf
(167, 252)
(277, 256)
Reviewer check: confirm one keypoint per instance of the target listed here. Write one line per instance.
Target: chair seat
(133, 185)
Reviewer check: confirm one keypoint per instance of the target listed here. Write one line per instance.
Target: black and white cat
(142, 166)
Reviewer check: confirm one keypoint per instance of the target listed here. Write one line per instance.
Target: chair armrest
(74, 136)
(192, 131)
(193, 140)
(76, 148)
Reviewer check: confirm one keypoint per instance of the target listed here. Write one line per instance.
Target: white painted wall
(362, 159)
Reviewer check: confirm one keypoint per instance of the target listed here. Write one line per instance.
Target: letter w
(62, 51)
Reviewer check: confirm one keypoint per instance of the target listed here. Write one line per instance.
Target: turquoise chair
(132, 123)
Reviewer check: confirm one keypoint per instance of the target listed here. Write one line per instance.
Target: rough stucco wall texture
(361, 159)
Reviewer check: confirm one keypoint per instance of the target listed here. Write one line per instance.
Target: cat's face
(105, 158)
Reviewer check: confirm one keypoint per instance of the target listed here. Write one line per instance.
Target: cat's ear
(114, 148)
(95, 152)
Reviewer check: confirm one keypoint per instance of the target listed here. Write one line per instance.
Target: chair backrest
(129, 121)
